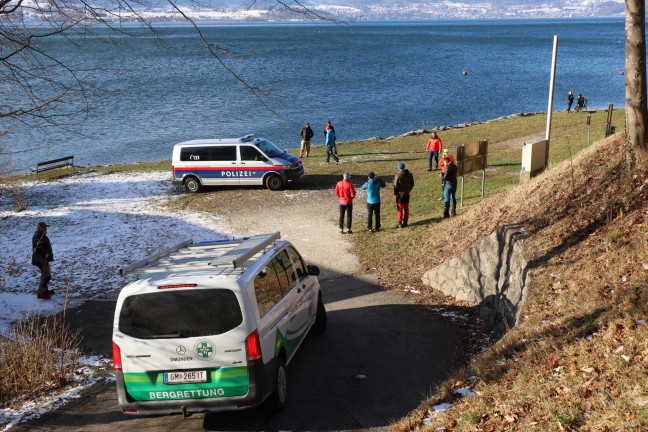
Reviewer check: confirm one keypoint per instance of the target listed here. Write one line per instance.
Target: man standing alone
(306, 134)
(372, 186)
(42, 255)
(403, 185)
(434, 147)
(345, 192)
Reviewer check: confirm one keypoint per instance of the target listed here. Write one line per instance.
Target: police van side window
(267, 289)
(194, 154)
(222, 153)
(249, 153)
(300, 266)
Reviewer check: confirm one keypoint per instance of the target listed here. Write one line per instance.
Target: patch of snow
(442, 407)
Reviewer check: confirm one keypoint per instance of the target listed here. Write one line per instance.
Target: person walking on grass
(434, 147)
(403, 185)
(330, 147)
(328, 127)
(42, 255)
(306, 135)
(345, 192)
(373, 186)
(449, 187)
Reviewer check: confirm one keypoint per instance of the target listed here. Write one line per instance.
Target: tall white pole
(551, 95)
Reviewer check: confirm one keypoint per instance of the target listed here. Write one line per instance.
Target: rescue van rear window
(180, 313)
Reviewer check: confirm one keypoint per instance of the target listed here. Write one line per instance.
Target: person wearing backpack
(403, 185)
(373, 186)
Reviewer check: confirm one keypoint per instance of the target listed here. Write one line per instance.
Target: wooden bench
(64, 162)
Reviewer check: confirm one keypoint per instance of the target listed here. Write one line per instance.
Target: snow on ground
(98, 223)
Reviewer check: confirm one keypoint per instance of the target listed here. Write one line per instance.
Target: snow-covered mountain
(271, 10)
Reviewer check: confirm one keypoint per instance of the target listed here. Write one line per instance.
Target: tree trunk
(635, 80)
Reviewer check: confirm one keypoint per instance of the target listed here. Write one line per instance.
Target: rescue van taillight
(253, 348)
(117, 363)
(177, 286)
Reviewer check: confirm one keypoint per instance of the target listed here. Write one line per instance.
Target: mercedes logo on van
(181, 350)
(204, 350)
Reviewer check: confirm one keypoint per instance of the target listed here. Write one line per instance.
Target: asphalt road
(379, 357)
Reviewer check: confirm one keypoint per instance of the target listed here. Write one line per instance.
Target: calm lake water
(369, 79)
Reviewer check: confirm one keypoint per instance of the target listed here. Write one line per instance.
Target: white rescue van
(234, 161)
(211, 326)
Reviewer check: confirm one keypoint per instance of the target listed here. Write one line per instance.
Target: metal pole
(589, 126)
(551, 94)
(462, 189)
(483, 180)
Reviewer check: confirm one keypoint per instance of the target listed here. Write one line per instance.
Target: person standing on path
(403, 185)
(306, 134)
(373, 186)
(449, 187)
(330, 146)
(570, 100)
(327, 128)
(434, 147)
(345, 192)
(42, 255)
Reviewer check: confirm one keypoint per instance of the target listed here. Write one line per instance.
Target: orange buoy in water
(621, 73)
(464, 73)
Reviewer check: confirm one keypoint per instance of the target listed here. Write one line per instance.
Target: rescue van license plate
(185, 377)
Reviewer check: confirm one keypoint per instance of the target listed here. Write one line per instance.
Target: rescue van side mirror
(313, 270)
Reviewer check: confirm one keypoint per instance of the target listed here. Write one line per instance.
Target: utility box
(534, 159)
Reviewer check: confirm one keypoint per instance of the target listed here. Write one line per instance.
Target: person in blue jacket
(330, 147)
(373, 186)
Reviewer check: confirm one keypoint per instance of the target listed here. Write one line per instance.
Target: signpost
(472, 157)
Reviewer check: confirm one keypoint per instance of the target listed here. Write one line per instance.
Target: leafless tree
(635, 80)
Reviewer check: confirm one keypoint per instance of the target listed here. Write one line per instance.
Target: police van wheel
(274, 183)
(320, 318)
(192, 185)
(278, 397)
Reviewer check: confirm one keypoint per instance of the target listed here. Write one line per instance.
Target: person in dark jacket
(570, 100)
(42, 255)
(306, 134)
(449, 187)
(403, 185)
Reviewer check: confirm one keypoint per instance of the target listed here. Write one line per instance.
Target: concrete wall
(492, 273)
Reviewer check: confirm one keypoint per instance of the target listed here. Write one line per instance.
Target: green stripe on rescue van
(224, 382)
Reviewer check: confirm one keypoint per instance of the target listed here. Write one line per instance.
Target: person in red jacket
(345, 192)
(434, 147)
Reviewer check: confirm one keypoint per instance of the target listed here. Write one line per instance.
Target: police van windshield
(270, 149)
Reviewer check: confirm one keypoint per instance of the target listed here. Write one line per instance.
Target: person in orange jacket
(434, 147)
(345, 192)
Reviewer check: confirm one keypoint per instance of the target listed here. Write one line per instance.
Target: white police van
(211, 326)
(234, 161)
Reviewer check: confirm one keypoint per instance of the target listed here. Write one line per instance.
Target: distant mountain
(267, 10)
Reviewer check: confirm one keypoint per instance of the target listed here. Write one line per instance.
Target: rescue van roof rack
(246, 249)
(194, 256)
(246, 138)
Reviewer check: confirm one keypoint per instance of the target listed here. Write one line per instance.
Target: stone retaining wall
(492, 273)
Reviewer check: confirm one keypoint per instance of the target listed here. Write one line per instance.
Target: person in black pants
(42, 255)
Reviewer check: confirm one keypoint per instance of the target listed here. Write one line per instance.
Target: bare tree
(635, 80)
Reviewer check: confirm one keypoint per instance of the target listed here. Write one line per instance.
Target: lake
(369, 78)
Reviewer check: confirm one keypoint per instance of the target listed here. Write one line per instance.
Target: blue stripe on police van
(225, 173)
